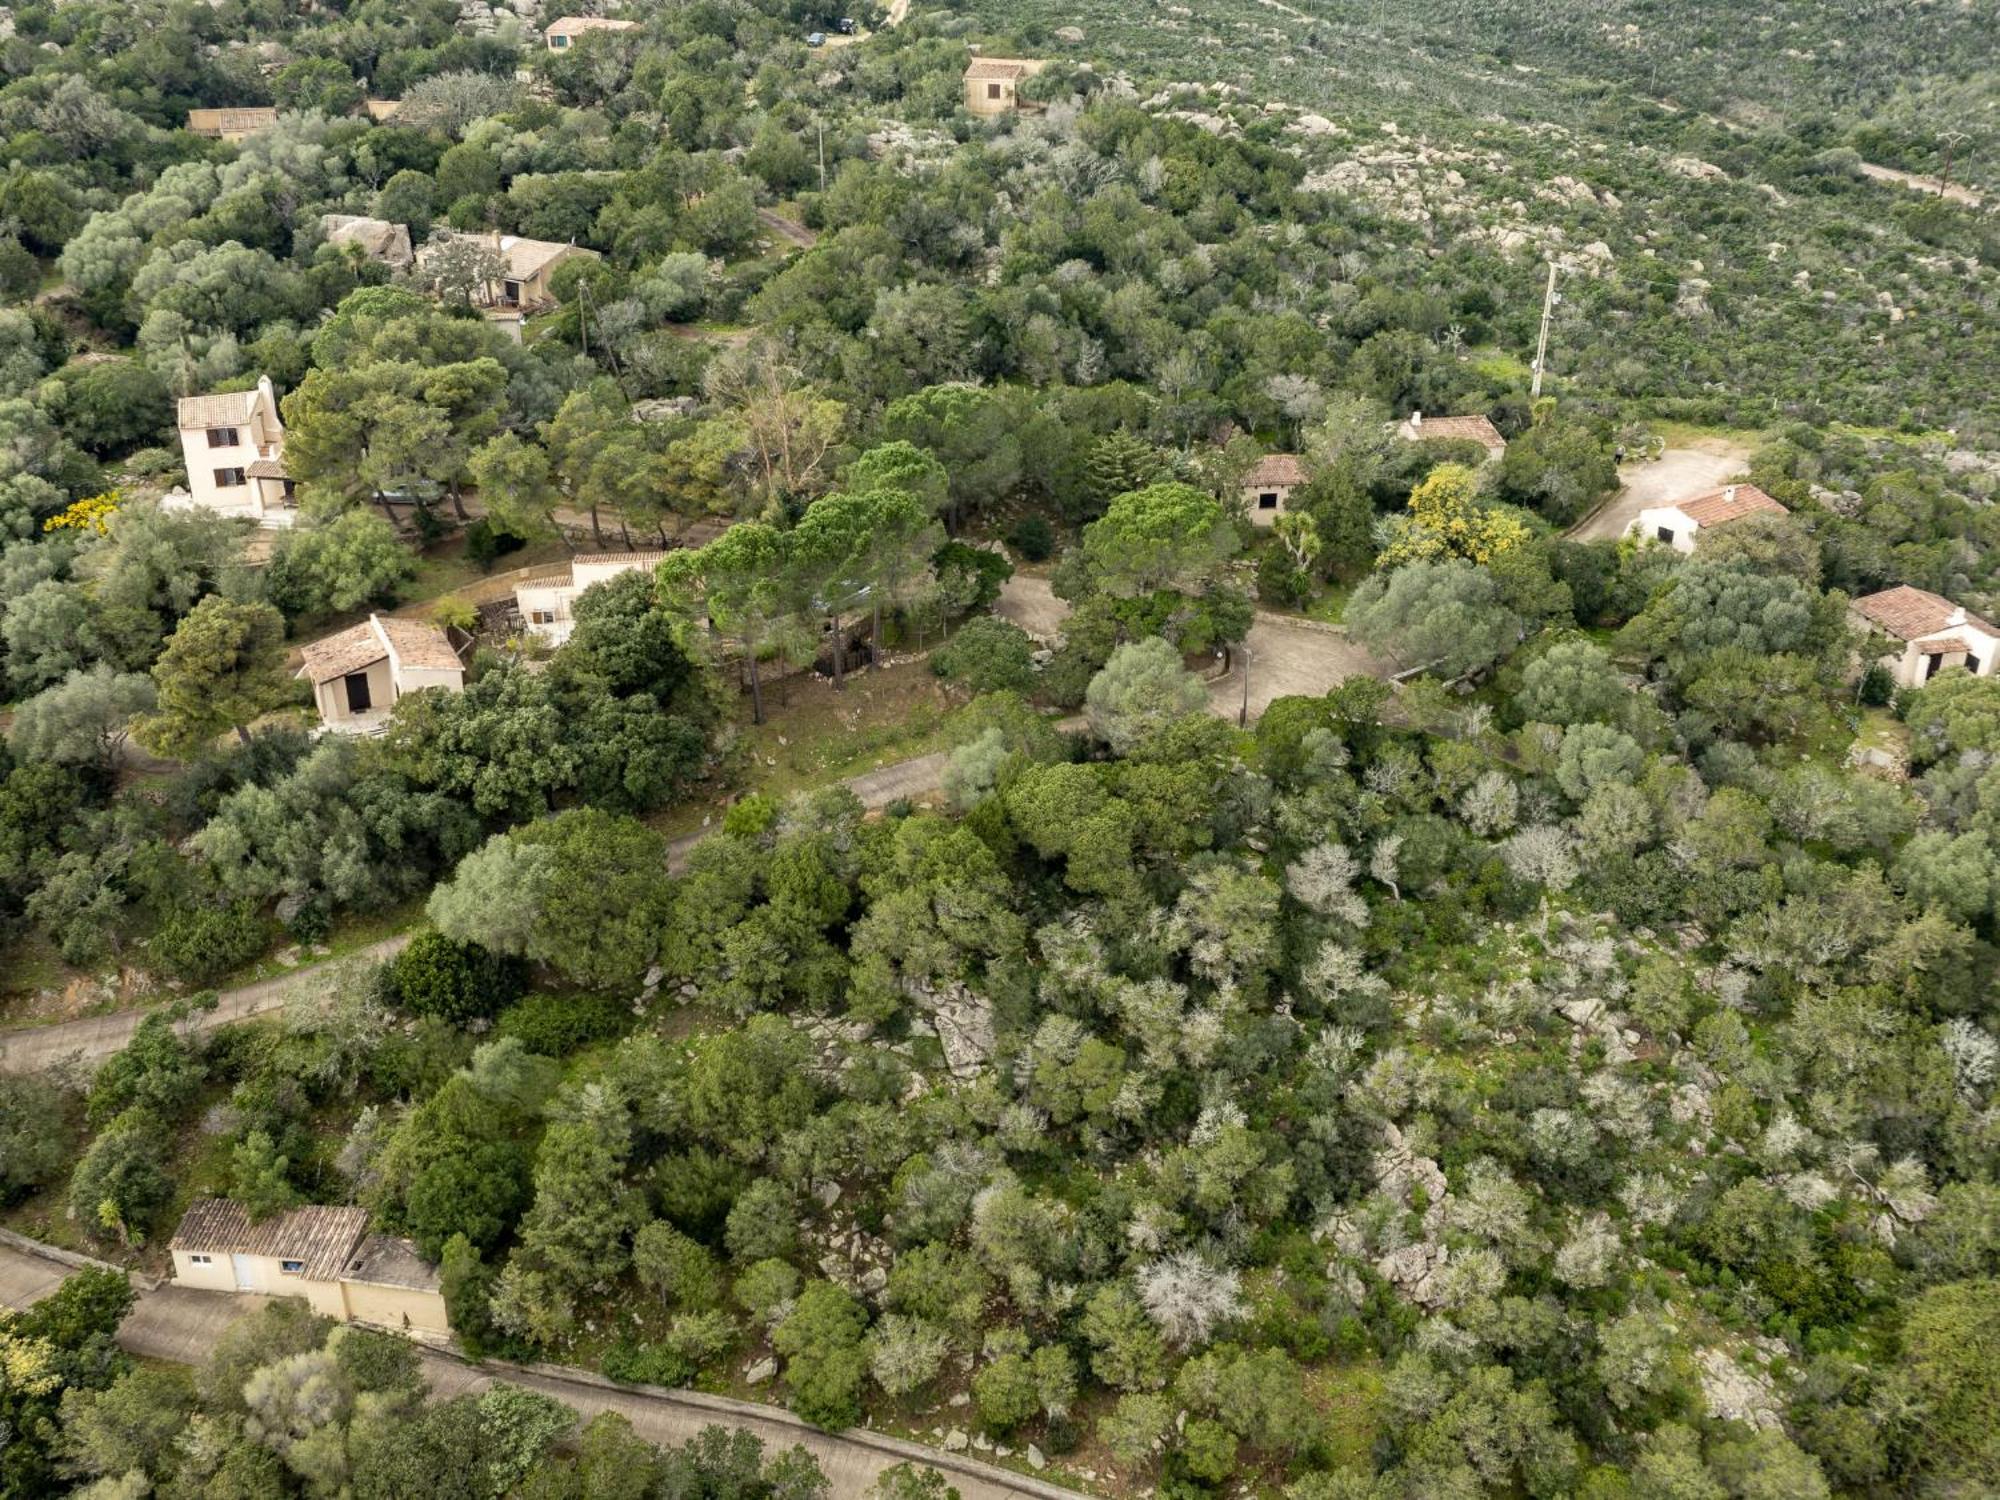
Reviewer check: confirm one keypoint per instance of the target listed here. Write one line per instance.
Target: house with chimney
(1929, 633)
(322, 1254)
(546, 597)
(359, 675)
(233, 443)
(1267, 488)
(1419, 428)
(1680, 525)
(993, 84)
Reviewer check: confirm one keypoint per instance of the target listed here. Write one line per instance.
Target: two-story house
(234, 445)
(547, 597)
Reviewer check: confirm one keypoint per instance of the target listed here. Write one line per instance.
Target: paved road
(35, 1048)
(181, 1326)
(1677, 474)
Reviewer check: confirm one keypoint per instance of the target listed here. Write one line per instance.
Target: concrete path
(35, 1048)
(1677, 474)
(181, 1326)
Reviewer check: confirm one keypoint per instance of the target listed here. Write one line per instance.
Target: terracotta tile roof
(321, 1238)
(1912, 613)
(1478, 429)
(267, 468)
(231, 121)
(618, 559)
(982, 68)
(1729, 504)
(1277, 468)
(550, 575)
(418, 644)
(223, 409)
(575, 25)
(350, 651)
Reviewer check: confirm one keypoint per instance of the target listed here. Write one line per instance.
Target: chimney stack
(1416, 420)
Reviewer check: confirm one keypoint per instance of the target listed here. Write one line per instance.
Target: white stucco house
(1933, 633)
(547, 596)
(1267, 488)
(1680, 524)
(325, 1255)
(358, 675)
(234, 445)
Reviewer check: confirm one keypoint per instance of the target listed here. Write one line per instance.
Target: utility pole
(1542, 343)
(1243, 713)
(1952, 139)
(820, 127)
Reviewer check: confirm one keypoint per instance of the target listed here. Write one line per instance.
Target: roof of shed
(1731, 503)
(321, 1238)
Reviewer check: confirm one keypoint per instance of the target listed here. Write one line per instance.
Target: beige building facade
(359, 675)
(233, 444)
(324, 1255)
(1932, 633)
(993, 84)
(1267, 489)
(547, 597)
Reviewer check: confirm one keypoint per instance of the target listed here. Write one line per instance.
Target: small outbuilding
(560, 35)
(231, 125)
(1474, 429)
(1934, 634)
(324, 1254)
(1679, 525)
(993, 84)
(359, 674)
(1267, 488)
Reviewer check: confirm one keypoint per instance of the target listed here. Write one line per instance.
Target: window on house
(1972, 664)
(542, 616)
(292, 1267)
(1666, 534)
(559, 42)
(1268, 500)
(199, 1260)
(228, 479)
(1931, 666)
(222, 437)
(993, 91)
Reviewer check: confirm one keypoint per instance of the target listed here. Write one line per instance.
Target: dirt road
(181, 1326)
(36, 1048)
(916, 777)
(1952, 193)
(1677, 474)
(1287, 656)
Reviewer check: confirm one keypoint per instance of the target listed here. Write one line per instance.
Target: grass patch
(1351, 1397)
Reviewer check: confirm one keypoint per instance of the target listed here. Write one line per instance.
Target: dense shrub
(200, 943)
(557, 1025)
(457, 982)
(988, 655)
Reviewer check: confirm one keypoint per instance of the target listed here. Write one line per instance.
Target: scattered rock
(956, 1441)
(760, 1372)
(1035, 1459)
